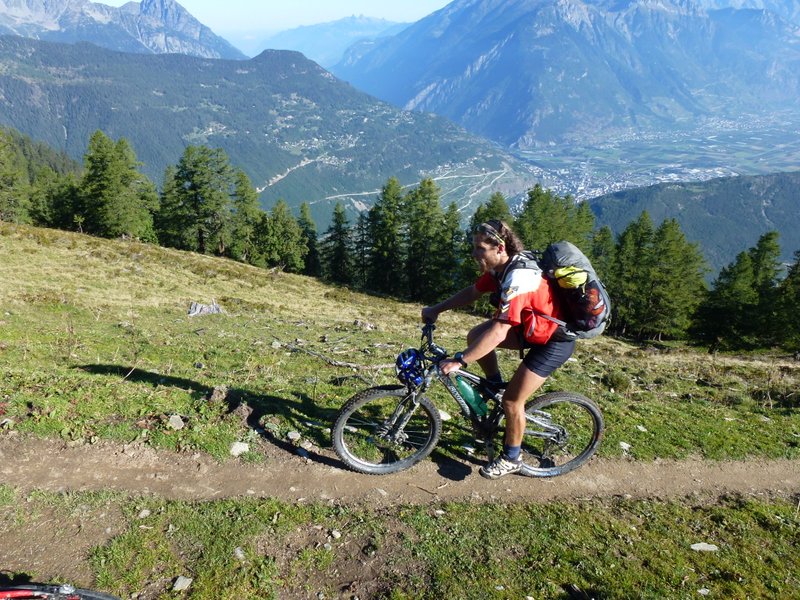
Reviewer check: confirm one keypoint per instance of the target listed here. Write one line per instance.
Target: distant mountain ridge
(725, 215)
(151, 26)
(531, 73)
(298, 132)
(325, 43)
(786, 9)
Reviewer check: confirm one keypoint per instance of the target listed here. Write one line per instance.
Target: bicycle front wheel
(562, 431)
(384, 430)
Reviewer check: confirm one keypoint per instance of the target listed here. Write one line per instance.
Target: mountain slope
(529, 73)
(151, 26)
(725, 216)
(298, 132)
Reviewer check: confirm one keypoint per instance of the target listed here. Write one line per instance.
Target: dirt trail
(28, 463)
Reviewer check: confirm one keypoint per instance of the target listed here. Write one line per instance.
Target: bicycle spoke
(562, 431)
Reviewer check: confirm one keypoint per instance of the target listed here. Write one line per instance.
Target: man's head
(493, 243)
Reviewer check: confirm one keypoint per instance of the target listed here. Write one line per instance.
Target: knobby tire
(360, 438)
(573, 414)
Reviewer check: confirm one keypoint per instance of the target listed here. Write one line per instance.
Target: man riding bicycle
(518, 324)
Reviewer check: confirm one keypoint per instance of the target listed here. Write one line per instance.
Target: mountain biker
(517, 325)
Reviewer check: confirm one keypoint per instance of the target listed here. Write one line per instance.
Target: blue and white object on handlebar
(408, 367)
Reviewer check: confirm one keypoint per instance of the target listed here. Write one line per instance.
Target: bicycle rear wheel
(382, 430)
(36, 591)
(562, 431)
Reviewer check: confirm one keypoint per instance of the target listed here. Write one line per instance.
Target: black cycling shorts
(543, 359)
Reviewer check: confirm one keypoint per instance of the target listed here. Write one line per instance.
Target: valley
(718, 148)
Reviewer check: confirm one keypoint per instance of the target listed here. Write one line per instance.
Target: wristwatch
(459, 356)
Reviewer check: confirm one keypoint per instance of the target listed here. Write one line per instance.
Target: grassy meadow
(96, 344)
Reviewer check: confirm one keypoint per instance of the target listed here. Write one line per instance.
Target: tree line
(406, 245)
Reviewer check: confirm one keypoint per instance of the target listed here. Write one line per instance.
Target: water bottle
(471, 396)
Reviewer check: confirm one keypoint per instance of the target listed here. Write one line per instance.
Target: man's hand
(429, 315)
(449, 365)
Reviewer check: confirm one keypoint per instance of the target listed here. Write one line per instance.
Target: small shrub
(617, 381)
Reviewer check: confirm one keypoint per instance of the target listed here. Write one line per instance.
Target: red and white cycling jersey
(524, 297)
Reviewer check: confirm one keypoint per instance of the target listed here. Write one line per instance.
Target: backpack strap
(549, 318)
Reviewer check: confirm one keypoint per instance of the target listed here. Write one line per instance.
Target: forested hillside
(407, 245)
(298, 133)
(722, 215)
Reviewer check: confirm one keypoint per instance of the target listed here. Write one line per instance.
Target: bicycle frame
(488, 425)
(432, 354)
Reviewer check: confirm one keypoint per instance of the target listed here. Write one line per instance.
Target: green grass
(95, 344)
(617, 548)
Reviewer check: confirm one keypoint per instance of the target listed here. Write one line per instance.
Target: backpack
(581, 292)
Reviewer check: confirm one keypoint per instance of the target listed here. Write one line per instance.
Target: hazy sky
(276, 15)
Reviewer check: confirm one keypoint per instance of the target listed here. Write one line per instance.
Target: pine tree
(14, 191)
(724, 317)
(630, 283)
(280, 241)
(450, 255)
(172, 215)
(309, 228)
(58, 205)
(766, 262)
(336, 249)
(744, 307)
(199, 212)
(677, 283)
(244, 220)
(547, 218)
(603, 251)
(130, 211)
(767, 269)
(98, 183)
(362, 249)
(425, 221)
(43, 194)
(496, 208)
(789, 307)
(114, 198)
(385, 267)
(582, 226)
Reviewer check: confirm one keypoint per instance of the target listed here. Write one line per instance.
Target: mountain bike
(391, 428)
(36, 591)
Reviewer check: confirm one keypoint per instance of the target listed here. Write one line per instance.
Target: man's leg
(538, 364)
(489, 363)
(524, 383)
(521, 387)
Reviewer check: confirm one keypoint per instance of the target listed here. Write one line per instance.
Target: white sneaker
(500, 466)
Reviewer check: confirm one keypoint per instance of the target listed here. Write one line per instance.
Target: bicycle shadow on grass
(447, 466)
(257, 410)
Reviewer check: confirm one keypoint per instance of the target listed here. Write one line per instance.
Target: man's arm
(460, 299)
(490, 339)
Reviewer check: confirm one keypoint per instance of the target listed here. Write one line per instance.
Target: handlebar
(437, 353)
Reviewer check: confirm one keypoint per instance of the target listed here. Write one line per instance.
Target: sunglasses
(487, 229)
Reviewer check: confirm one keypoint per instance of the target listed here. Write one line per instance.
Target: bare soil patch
(29, 463)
